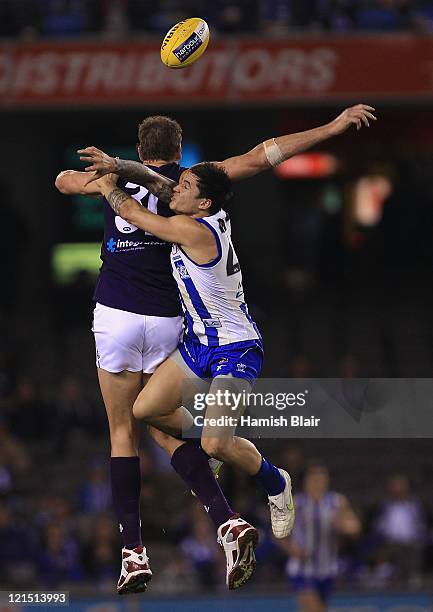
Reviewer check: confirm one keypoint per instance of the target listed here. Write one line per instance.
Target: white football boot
(135, 573)
(282, 509)
(238, 540)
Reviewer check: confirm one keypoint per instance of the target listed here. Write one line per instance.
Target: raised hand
(355, 115)
(101, 163)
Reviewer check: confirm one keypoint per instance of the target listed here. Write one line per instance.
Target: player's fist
(355, 115)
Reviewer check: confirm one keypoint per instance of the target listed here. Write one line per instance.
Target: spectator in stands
(19, 18)
(115, 19)
(14, 459)
(163, 15)
(15, 568)
(423, 17)
(176, 576)
(95, 494)
(316, 14)
(231, 16)
(385, 15)
(67, 17)
(100, 553)
(52, 509)
(201, 549)
(27, 413)
(59, 559)
(275, 16)
(75, 411)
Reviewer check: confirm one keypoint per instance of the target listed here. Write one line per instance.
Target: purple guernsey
(136, 273)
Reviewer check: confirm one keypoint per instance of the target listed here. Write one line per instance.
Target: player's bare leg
(166, 390)
(237, 537)
(160, 402)
(119, 390)
(221, 443)
(165, 441)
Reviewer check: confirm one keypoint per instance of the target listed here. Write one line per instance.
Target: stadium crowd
(30, 19)
(55, 502)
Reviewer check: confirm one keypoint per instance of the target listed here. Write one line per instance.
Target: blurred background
(337, 254)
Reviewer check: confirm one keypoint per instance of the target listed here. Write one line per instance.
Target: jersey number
(148, 200)
(232, 266)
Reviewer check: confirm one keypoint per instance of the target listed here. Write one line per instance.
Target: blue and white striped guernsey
(315, 534)
(212, 294)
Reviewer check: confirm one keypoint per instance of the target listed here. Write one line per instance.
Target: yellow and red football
(185, 42)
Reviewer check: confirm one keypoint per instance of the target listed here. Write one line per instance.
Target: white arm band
(273, 152)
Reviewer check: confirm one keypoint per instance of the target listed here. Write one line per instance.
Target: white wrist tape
(273, 152)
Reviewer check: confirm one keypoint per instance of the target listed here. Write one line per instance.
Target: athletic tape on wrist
(273, 152)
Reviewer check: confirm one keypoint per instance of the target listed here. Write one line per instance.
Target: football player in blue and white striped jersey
(323, 516)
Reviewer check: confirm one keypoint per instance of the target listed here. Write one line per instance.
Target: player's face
(316, 482)
(186, 198)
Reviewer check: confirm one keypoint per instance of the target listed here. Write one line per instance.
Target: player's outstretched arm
(178, 229)
(276, 150)
(71, 182)
(133, 171)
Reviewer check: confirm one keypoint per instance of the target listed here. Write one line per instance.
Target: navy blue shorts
(322, 586)
(240, 359)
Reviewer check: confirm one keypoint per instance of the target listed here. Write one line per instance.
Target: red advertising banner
(394, 67)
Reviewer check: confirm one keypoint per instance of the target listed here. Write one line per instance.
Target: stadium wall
(236, 71)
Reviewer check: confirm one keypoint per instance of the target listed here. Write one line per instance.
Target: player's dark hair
(159, 138)
(316, 465)
(213, 184)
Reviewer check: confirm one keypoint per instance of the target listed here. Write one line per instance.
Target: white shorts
(128, 341)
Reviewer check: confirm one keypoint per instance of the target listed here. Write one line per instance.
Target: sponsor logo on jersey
(212, 322)
(241, 367)
(183, 272)
(222, 362)
(123, 226)
(116, 245)
(187, 48)
(111, 245)
(222, 225)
